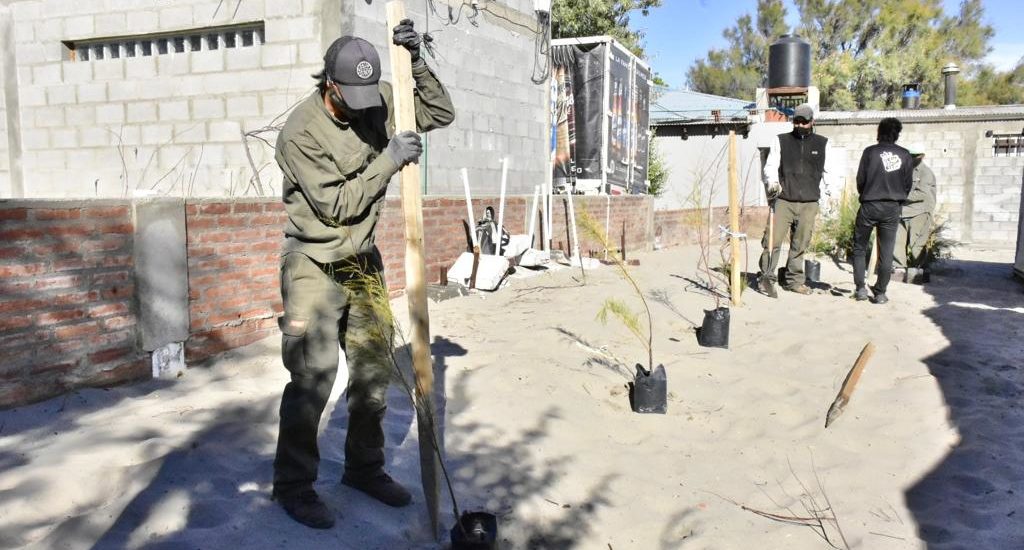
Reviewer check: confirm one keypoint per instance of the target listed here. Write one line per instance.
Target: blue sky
(682, 31)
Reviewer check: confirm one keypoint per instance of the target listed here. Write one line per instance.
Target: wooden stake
(873, 260)
(849, 384)
(734, 221)
(415, 273)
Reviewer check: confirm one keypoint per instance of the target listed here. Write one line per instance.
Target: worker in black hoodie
(884, 179)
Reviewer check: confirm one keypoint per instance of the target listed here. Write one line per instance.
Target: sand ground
(538, 428)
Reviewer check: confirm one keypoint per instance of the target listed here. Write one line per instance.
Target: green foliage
(988, 86)
(657, 170)
(573, 18)
(834, 235)
(863, 52)
(938, 246)
(626, 316)
(592, 229)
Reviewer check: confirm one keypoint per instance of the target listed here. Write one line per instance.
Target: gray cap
(353, 64)
(915, 149)
(804, 111)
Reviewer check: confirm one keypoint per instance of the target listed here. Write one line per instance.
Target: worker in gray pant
(338, 151)
(917, 214)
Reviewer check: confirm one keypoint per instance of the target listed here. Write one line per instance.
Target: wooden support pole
(849, 384)
(415, 273)
(734, 221)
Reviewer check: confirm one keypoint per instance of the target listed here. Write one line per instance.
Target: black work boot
(379, 486)
(861, 294)
(880, 297)
(767, 288)
(306, 508)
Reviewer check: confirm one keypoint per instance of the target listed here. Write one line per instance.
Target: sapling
(617, 308)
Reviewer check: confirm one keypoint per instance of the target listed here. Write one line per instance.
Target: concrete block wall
(487, 68)
(978, 193)
(68, 316)
(706, 158)
(170, 122)
(997, 197)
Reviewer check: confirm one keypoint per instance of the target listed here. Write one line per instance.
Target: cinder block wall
(172, 123)
(67, 298)
(978, 193)
(486, 60)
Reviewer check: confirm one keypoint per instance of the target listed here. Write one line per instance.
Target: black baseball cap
(353, 64)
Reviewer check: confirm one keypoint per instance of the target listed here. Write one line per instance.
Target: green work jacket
(921, 199)
(335, 171)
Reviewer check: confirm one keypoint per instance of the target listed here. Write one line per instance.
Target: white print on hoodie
(890, 161)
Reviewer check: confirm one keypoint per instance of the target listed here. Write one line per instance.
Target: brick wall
(233, 249)
(67, 312)
(69, 291)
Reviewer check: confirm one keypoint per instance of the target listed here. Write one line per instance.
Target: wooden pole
(532, 214)
(849, 384)
(873, 260)
(734, 221)
(472, 228)
(415, 274)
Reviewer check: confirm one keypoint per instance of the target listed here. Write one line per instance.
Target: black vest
(802, 164)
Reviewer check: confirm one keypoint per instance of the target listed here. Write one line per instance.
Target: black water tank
(789, 62)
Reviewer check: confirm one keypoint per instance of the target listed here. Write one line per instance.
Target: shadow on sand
(974, 498)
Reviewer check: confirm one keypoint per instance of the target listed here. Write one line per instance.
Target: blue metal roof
(685, 106)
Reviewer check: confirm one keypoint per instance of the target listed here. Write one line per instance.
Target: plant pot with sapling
(648, 393)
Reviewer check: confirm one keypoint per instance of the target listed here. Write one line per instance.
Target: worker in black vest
(884, 179)
(793, 176)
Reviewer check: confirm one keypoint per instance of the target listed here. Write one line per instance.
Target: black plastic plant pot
(479, 531)
(714, 333)
(648, 394)
(917, 276)
(812, 271)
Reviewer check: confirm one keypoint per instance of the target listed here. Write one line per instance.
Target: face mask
(341, 106)
(802, 131)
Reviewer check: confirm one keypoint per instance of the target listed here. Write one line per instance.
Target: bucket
(714, 333)
(812, 271)
(479, 532)
(649, 391)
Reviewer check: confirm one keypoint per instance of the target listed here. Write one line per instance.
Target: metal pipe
(949, 72)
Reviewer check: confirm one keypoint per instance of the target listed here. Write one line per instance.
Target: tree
(987, 86)
(739, 70)
(573, 18)
(863, 51)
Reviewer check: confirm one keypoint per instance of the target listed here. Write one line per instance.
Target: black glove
(404, 148)
(405, 35)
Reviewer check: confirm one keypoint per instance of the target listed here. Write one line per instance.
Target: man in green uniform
(916, 215)
(338, 151)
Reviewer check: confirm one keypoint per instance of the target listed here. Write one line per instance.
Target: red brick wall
(233, 250)
(67, 312)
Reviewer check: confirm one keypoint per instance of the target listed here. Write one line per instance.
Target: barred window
(242, 35)
(1008, 145)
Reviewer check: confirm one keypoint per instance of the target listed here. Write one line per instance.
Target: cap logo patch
(364, 70)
